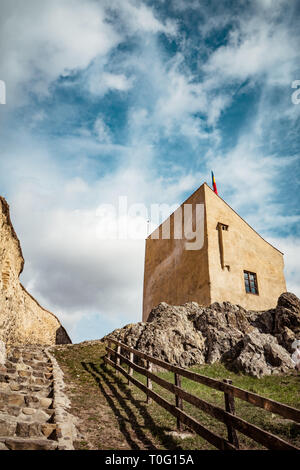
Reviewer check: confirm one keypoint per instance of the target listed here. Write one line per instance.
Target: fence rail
(227, 416)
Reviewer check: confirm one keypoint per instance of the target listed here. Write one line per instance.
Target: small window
(222, 226)
(250, 283)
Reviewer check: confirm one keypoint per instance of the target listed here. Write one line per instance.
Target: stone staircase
(27, 412)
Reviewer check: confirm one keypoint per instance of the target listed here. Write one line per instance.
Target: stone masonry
(33, 407)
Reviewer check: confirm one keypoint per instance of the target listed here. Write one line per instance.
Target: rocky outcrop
(258, 354)
(22, 319)
(170, 336)
(283, 322)
(256, 343)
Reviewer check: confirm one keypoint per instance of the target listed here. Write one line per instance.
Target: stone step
(35, 429)
(27, 379)
(27, 413)
(25, 366)
(27, 416)
(38, 365)
(40, 391)
(13, 399)
(21, 401)
(28, 444)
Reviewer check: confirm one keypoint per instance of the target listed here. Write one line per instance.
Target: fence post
(149, 381)
(178, 399)
(117, 358)
(108, 353)
(130, 369)
(230, 408)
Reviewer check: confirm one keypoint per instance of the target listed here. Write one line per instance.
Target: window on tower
(250, 283)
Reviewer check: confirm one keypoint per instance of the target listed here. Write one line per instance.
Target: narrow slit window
(250, 283)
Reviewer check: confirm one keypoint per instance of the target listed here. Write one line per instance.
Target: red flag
(214, 183)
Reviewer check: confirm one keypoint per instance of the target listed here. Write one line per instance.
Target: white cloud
(102, 131)
(100, 82)
(53, 38)
(256, 47)
(76, 186)
(138, 17)
(248, 178)
(58, 37)
(290, 247)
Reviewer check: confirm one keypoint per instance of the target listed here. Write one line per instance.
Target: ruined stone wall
(22, 319)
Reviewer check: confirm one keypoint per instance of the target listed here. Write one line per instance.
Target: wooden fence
(227, 416)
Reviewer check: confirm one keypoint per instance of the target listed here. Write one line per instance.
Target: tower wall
(172, 273)
(242, 249)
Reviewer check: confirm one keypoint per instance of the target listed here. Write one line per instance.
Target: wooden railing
(227, 416)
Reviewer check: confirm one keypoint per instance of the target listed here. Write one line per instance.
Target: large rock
(258, 354)
(168, 335)
(22, 319)
(287, 320)
(263, 321)
(223, 325)
(257, 343)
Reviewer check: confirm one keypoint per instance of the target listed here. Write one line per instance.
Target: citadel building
(234, 263)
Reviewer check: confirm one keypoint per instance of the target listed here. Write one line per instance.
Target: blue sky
(141, 99)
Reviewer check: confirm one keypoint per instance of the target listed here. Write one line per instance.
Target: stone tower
(234, 263)
(22, 319)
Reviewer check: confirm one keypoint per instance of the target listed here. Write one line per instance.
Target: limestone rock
(258, 354)
(223, 325)
(287, 320)
(169, 335)
(257, 343)
(22, 319)
(263, 321)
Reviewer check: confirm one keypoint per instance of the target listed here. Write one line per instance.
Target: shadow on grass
(122, 393)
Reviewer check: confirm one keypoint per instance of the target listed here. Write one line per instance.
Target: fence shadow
(123, 394)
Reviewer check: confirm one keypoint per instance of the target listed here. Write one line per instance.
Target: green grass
(284, 389)
(155, 421)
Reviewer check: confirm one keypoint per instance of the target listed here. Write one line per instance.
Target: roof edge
(217, 195)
